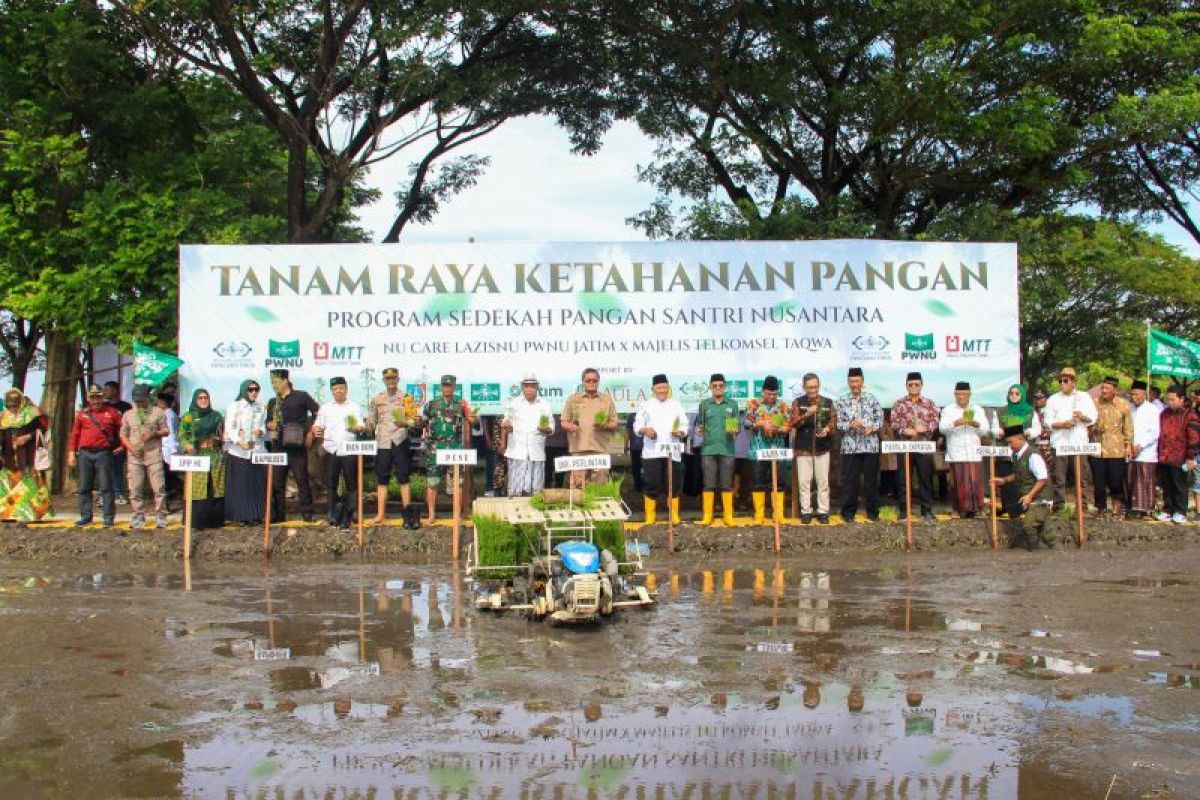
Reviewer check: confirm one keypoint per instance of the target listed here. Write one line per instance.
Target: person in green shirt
(448, 422)
(717, 422)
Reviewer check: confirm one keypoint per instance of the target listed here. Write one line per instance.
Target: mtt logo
(958, 347)
(326, 353)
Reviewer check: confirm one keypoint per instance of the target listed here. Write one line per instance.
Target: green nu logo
(737, 390)
(284, 349)
(485, 393)
(918, 342)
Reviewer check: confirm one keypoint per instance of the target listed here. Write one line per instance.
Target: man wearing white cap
(1069, 413)
(527, 422)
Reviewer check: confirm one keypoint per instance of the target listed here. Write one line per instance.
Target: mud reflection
(778, 679)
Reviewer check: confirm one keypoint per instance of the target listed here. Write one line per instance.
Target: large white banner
(488, 313)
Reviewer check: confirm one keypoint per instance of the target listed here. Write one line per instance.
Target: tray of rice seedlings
(502, 544)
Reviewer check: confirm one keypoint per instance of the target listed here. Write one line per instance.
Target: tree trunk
(297, 207)
(60, 399)
(20, 349)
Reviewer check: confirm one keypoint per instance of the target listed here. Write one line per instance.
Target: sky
(536, 189)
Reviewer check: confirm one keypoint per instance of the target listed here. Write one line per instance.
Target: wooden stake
(187, 518)
(362, 621)
(1080, 536)
(360, 504)
(995, 498)
(795, 473)
(908, 543)
(267, 518)
(775, 494)
(670, 517)
(456, 498)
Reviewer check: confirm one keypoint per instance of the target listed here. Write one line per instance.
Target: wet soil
(307, 541)
(968, 674)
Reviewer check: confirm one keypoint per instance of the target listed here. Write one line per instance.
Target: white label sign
(190, 463)
(994, 452)
(274, 459)
(273, 654)
(572, 463)
(663, 450)
(1092, 449)
(358, 448)
(448, 458)
(908, 447)
(774, 454)
(775, 647)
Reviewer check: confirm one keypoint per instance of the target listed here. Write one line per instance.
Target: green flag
(1169, 355)
(152, 367)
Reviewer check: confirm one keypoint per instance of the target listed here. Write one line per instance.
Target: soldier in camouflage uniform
(448, 426)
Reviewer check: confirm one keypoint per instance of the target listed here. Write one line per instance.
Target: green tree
(1088, 289)
(899, 112)
(345, 84)
(105, 166)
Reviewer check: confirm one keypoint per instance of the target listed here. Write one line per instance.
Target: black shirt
(120, 405)
(805, 439)
(296, 406)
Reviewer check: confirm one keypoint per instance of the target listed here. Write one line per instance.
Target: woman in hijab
(23, 492)
(1017, 411)
(245, 483)
(200, 433)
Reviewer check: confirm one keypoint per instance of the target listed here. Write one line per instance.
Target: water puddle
(1146, 582)
(784, 680)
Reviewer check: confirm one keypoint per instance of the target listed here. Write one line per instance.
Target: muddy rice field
(842, 670)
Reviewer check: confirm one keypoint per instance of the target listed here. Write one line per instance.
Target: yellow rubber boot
(760, 507)
(675, 511)
(651, 506)
(777, 507)
(727, 508)
(707, 500)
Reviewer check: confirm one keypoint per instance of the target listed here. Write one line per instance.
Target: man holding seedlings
(660, 421)
(589, 417)
(526, 424)
(339, 421)
(717, 422)
(394, 416)
(448, 426)
(769, 423)
(859, 420)
(813, 421)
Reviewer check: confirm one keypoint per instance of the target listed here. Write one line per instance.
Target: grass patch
(416, 484)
